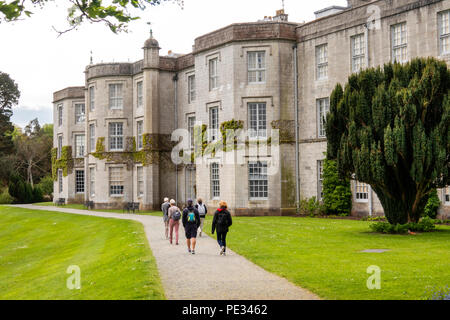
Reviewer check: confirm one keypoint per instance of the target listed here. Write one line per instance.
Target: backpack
(222, 220)
(176, 215)
(191, 216)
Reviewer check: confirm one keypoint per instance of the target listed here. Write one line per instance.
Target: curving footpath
(205, 275)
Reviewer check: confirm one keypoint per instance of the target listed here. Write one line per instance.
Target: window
(115, 96)
(322, 61)
(215, 181)
(256, 66)
(214, 123)
(92, 181)
(213, 78)
(257, 180)
(116, 136)
(358, 52)
(191, 88)
(323, 107)
(399, 43)
(60, 115)
(190, 182)
(361, 192)
(79, 181)
(91, 98)
(446, 199)
(257, 120)
(191, 125)
(140, 181)
(320, 179)
(92, 137)
(140, 134)
(444, 32)
(140, 95)
(116, 181)
(60, 180)
(79, 113)
(79, 146)
(59, 146)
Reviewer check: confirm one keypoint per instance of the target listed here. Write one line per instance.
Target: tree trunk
(30, 173)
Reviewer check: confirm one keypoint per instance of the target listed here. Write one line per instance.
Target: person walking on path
(191, 222)
(221, 222)
(202, 211)
(165, 209)
(174, 215)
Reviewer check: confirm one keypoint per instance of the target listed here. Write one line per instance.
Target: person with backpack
(191, 222)
(221, 222)
(174, 215)
(202, 211)
(165, 208)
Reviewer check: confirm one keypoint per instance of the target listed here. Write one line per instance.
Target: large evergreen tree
(389, 128)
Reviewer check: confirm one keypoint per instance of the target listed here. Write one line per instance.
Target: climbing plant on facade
(64, 163)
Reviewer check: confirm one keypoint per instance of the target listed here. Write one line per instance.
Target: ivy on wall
(65, 162)
(156, 149)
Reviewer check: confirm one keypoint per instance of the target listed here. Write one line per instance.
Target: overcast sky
(41, 62)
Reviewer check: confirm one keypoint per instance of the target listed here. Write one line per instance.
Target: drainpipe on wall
(297, 164)
(366, 35)
(175, 79)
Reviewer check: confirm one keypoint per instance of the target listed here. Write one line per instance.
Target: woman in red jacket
(221, 222)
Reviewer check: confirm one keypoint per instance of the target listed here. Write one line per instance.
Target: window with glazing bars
(191, 88)
(213, 77)
(60, 145)
(140, 181)
(92, 181)
(191, 125)
(214, 123)
(79, 181)
(140, 134)
(91, 98)
(323, 107)
(399, 42)
(320, 179)
(115, 96)
(361, 191)
(215, 180)
(447, 196)
(257, 119)
(322, 61)
(116, 187)
(140, 94)
(116, 136)
(60, 115)
(257, 180)
(358, 52)
(444, 32)
(79, 145)
(79, 113)
(92, 137)
(256, 66)
(60, 180)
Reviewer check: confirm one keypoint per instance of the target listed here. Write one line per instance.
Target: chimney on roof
(281, 16)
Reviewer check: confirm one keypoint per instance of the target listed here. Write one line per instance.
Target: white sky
(41, 62)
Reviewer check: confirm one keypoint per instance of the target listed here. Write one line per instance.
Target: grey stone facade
(168, 104)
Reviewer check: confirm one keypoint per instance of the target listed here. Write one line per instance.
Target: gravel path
(205, 275)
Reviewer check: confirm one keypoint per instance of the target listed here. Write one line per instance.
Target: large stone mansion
(112, 136)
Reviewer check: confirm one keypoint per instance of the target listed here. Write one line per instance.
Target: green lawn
(82, 207)
(37, 247)
(323, 255)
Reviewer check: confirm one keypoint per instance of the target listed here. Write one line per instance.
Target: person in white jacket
(202, 211)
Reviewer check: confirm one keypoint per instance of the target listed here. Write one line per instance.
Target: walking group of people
(193, 218)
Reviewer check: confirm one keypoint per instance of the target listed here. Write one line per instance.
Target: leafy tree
(33, 151)
(9, 96)
(389, 128)
(46, 185)
(433, 205)
(115, 15)
(337, 194)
